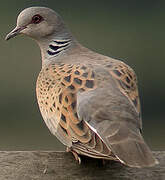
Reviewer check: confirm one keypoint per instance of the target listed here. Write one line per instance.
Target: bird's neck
(54, 47)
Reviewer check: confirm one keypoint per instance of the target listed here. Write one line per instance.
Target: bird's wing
(90, 110)
(57, 88)
(127, 83)
(112, 112)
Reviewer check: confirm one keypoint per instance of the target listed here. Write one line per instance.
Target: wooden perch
(48, 165)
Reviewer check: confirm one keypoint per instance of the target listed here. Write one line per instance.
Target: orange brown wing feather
(60, 88)
(127, 83)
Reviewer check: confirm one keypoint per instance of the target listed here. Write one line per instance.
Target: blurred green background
(130, 30)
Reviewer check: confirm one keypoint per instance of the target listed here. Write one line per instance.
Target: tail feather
(130, 147)
(134, 153)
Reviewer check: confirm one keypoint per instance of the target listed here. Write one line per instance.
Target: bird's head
(38, 23)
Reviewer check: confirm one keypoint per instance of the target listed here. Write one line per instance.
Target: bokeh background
(130, 30)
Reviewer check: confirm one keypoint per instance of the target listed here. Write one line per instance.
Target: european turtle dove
(89, 101)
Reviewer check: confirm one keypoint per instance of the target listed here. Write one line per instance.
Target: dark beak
(14, 32)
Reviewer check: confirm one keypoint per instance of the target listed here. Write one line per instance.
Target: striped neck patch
(57, 46)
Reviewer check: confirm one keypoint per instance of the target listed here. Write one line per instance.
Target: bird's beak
(14, 32)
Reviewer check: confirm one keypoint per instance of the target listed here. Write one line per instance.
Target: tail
(129, 146)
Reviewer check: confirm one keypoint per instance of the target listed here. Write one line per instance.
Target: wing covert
(127, 83)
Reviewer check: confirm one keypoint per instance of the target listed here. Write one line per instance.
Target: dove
(89, 101)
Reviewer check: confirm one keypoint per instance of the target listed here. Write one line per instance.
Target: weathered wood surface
(48, 165)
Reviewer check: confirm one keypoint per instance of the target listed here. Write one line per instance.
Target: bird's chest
(53, 98)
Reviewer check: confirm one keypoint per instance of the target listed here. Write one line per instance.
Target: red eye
(37, 19)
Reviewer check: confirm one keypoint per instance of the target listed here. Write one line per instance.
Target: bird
(89, 101)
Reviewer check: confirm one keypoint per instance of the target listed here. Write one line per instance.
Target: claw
(75, 154)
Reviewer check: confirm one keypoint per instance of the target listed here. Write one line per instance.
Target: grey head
(38, 23)
(46, 27)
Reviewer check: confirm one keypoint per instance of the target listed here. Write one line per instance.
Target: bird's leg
(75, 154)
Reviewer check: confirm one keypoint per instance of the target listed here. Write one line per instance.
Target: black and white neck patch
(57, 46)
